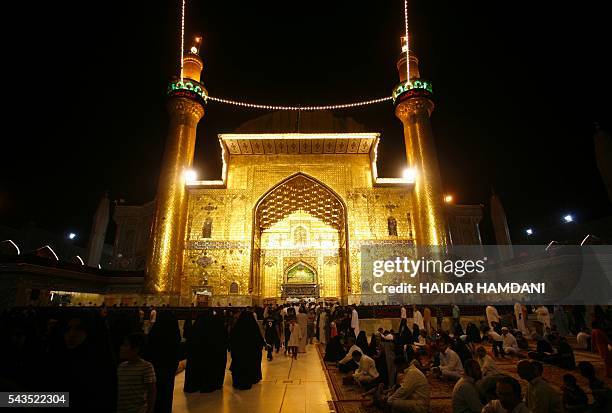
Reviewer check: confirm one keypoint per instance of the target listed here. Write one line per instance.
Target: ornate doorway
(299, 235)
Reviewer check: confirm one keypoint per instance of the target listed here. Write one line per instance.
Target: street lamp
(448, 199)
(71, 235)
(568, 218)
(529, 231)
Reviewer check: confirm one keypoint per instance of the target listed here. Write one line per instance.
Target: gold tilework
(331, 182)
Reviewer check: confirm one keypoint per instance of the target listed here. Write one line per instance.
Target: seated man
(348, 364)
(450, 364)
(509, 398)
(412, 396)
(487, 364)
(490, 375)
(366, 375)
(540, 396)
(510, 345)
(465, 394)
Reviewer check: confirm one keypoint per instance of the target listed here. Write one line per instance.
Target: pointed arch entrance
(296, 196)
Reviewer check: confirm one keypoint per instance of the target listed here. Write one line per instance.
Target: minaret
(95, 245)
(413, 106)
(186, 101)
(500, 227)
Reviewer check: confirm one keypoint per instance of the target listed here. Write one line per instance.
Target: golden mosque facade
(291, 212)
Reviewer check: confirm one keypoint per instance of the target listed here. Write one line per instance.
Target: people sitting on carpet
(462, 350)
(450, 367)
(412, 395)
(465, 398)
(566, 358)
(496, 340)
(540, 396)
(574, 398)
(543, 349)
(510, 345)
(348, 364)
(487, 364)
(583, 338)
(602, 394)
(334, 350)
(521, 340)
(366, 374)
(508, 400)
(473, 333)
(362, 341)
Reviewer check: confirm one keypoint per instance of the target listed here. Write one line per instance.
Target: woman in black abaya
(246, 344)
(198, 353)
(218, 353)
(163, 352)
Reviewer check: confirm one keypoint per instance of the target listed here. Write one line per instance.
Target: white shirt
(450, 361)
(582, 339)
(487, 366)
(355, 321)
(367, 367)
(492, 315)
(349, 355)
(510, 341)
(543, 316)
(465, 396)
(417, 319)
(414, 386)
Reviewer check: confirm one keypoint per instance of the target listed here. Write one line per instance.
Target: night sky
(518, 86)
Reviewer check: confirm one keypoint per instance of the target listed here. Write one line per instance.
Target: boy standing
(135, 378)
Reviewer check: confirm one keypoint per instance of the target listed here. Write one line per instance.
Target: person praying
(366, 374)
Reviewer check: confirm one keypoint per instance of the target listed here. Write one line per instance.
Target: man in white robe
(543, 316)
(417, 318)
(492, 315)
(520, 321)
(355, 321)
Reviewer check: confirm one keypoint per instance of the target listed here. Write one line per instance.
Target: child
(271, 335)
(294, 338)
(573, 395)
(135, 378)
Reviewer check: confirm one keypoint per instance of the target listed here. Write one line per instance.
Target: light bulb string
(407, 42)
(299, 108)
(182, 37)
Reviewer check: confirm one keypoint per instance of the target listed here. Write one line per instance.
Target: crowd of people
(396, 369)
(126, 360)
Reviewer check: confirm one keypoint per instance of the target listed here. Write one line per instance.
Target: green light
(189, 85)
(415, 84)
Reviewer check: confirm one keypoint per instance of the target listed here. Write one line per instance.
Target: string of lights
(407, 43)
(182, 85)
(182, 36)
(299, 108)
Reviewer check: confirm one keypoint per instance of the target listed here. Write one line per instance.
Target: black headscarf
(246, 344)
(163, 352)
